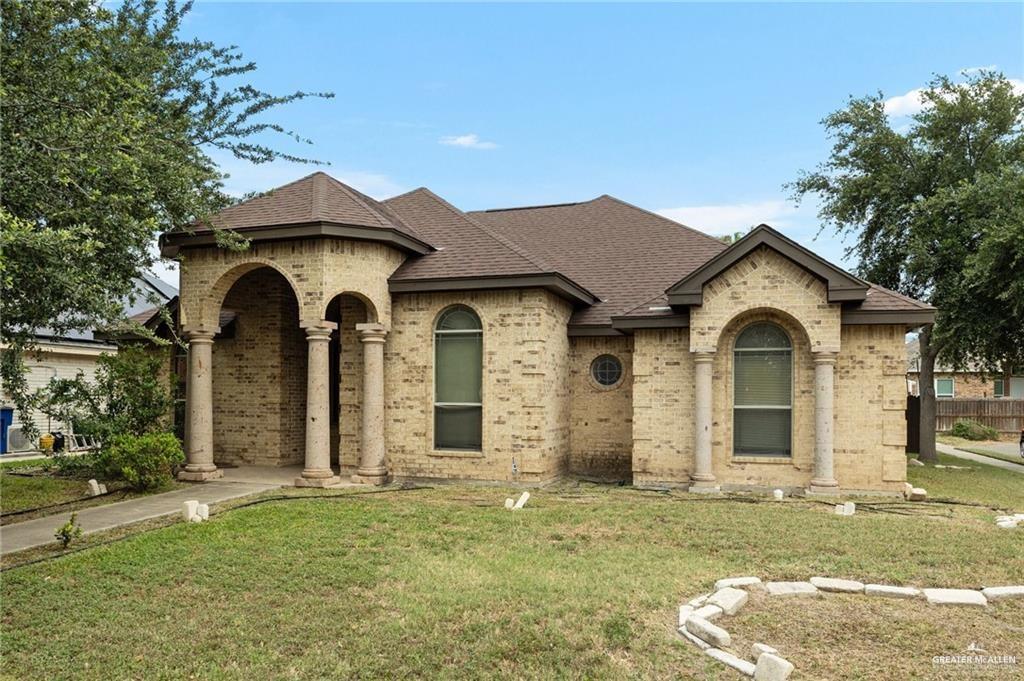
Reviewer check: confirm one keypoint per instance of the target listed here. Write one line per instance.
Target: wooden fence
(1004, 414)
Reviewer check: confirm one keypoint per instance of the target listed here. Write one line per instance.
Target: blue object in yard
(6, 419)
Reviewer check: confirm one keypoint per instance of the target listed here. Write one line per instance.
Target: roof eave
(554, 282)
(172, 242)
(910, 318)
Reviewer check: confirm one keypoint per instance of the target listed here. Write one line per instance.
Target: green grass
(584, 582)
(19, 492)
(979, 482)
(979, 448)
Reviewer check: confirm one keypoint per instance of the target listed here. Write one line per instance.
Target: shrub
(972, 430)
(143, 461)
(69, 531)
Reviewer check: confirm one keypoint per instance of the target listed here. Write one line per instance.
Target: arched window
(763, 392)
(458, 374)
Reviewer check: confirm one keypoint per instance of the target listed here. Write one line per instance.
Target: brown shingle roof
(312, 199)
(623, 254)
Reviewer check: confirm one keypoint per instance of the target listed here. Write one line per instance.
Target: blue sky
(698, 111)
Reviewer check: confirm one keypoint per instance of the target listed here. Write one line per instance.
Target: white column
(317, 471)
(372, 464)
(824, 480)
(199, 464)
(703, 476)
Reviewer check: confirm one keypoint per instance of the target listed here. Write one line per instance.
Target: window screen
(762, 392)
(458, 376)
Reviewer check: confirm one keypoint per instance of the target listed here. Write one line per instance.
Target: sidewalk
(978, 458)
(32, 533)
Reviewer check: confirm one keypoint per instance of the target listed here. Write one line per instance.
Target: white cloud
(912, 102)
(734, 217)
(470, 141)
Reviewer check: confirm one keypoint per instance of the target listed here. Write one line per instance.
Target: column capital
(372, 332)
(703, 356)
(824, 357)
(199, 333)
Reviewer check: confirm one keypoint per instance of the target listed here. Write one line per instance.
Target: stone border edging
(696, 617)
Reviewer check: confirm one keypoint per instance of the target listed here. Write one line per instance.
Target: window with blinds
(762, 392)
(458, 375)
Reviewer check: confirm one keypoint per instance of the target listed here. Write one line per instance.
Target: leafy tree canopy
(937, 209)
(108, 121)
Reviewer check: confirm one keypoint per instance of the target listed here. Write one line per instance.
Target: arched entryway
(347, 310)
(259, 373)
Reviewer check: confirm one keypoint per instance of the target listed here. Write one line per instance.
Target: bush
(143, 461)
(972, 430)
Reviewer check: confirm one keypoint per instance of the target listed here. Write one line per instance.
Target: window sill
(774, 460)
(456, 453)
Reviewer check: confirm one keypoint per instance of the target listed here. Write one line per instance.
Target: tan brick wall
(601, 423)
(259, 375)
(348, 428)
(317, 269)
(970, 385)
(525, 387)
(766, 280)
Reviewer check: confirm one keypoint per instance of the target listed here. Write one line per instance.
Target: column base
(200, 476)
(317, 482)
(826, 489)
(371, 477)
(704, 487)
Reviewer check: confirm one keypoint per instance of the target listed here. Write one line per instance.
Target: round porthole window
(606, 370)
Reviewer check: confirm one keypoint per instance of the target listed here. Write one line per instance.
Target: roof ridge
(359, 198)
(376, 208)
(535, 207)
(268, 192)
(661, 217)
(508, 243)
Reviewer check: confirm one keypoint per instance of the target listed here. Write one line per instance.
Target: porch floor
(282, 476)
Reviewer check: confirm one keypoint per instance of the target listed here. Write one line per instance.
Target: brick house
(405, 338)
(968, 382)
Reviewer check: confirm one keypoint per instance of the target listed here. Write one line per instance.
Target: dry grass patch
(853, 636)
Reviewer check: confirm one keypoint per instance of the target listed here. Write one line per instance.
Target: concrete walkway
(32, 533)
(978, 458)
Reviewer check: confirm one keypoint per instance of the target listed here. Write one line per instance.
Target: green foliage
(108, 123)
(69, 531)
(145, 462)
(129, 395)
(970, 429)
(936, 209)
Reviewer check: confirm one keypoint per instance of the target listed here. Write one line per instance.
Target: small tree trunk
(926, 387)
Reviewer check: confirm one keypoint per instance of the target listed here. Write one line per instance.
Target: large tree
(936, 207)
(108, 120)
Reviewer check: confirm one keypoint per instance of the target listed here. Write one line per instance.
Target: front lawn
(982, 448)
(444, 582)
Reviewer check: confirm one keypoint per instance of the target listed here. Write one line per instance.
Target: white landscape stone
(995, 593)
(791, 589)
(849, 508)
(729, 599)
(707, 612)
(740, 665)
(778, 494)
(712, 633)
(103, 488)
(891, 591)
(1007, 524)
(955, 597)
(94, 488)
(510, 502)
(701, 643)
(188, 509)
(699, 601)
(737, 582)
(203, 511)
(759, 648)
(915, 462)
(918, 494)
(838, 585)
(684, 614)
(522, 501)
(771, 667)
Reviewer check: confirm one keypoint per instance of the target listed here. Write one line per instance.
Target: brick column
(199, 464)
(318, 472)
(372, 465)
(703, 476)
(824, 480)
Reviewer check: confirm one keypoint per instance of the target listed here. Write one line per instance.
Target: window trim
(773, 457)
(999, 388)
(952, 387)
(436, 449)
(598, 385)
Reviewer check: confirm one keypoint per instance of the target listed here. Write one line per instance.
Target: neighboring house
(71, 354)
(970, 382)
(406, 338)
